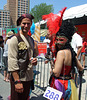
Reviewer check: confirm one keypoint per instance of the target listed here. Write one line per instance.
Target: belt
(63, 77)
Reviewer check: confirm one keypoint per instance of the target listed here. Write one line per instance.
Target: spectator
(1, 51)
(51, 51)
(20, 51)
(13, 31)
(1, 41)
(83, 51)
(5, 55)
(76, 44)
(46, 40)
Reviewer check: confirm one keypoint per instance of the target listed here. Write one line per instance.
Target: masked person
(20, 51)
(66, 59)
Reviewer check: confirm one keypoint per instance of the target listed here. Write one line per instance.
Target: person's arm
(35, 54)
(35, 49)
(18, 85)
(58, 64)
(79, 66)
(33, 61)
(79, 50)
(79, 44)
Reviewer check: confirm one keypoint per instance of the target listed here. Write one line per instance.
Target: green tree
(40, 10)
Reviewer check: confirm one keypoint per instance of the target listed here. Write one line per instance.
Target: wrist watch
(18, 81)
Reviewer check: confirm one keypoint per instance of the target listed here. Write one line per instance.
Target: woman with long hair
(66, 59)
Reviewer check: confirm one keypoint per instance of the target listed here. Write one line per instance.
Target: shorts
(83, 53)
(5, 60)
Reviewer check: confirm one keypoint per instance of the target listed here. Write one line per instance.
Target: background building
(12, 10)
(4, 18)
(5, 7)
(17, 8)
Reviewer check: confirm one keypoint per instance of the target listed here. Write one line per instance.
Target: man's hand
(19, 87)
(34, 61)
(46, 61)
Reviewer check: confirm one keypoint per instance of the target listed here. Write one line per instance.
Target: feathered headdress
(54, 21)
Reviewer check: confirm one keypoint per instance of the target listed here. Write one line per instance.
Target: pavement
(4, 88)
(37, 93)
(84, 86)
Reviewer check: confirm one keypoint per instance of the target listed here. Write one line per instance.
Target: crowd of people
(21, 51)
(5, 55)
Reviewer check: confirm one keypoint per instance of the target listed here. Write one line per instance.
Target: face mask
(61, 40)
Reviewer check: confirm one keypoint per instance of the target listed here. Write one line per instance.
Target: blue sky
(57, 4)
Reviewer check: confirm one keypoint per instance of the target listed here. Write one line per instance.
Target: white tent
(41, 22)
(75, 12)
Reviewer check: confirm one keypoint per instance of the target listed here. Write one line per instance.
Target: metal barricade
(42, 73)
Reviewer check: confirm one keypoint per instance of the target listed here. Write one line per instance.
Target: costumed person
(66, 59)
(20, 51)
(9, 35)
(53, 24)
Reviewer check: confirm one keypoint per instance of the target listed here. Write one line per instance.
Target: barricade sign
(42, 48)
(52, 94)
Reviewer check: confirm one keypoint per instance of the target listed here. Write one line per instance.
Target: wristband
(18, 81)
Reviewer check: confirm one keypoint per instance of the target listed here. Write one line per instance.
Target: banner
(13, 29)
(7, 30)
(37, 33)
(42, 49)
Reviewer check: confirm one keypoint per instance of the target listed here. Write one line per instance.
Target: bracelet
(18, 81)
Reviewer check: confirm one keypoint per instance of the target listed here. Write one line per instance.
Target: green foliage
(40, 10)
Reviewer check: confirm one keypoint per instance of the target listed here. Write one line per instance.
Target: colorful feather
(54, 21)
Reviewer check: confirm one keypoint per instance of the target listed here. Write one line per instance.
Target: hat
(9, 34)
(67, 29)
(24, 16)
